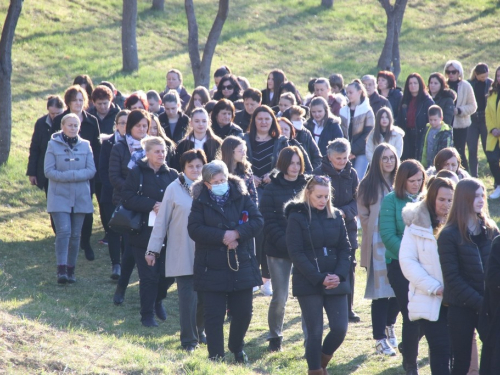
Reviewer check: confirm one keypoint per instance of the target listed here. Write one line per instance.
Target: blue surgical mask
(220, 189)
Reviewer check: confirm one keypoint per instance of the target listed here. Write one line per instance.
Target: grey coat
(69, 171)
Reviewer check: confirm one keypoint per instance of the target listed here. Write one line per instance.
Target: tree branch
(8, 32)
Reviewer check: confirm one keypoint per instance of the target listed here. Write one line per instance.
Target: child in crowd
(154, 102)
(438, 136)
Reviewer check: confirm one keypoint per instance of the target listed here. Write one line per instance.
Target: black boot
(71, 274)
(116, 271)
(275, 344)
(241, 357)
(89, 252)
(119, 296)
(160, 311)
(62, 274)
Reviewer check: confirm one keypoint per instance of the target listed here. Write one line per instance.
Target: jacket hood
(57, 136)
(448, 93)
(361, 109)
(295, 206)
(417, 214)
(234, 182)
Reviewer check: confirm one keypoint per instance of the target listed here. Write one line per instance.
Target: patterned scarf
(136, 150)
(220, 200)
(70, 141)
(413, 197)
(186, 183)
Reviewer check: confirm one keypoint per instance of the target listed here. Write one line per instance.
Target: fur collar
(417, 214)
(295, 206)
(236, 184)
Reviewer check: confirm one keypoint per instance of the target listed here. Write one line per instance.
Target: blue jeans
(68, 228)
(360, 165)
(280, 269)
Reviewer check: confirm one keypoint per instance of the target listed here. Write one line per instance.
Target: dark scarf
(220, 200)
(70, 141)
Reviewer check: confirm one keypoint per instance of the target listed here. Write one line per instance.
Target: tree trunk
(158, 5)
(327, 3)
(201, 66)
(6, 41)
(390, 57)
(129, 42)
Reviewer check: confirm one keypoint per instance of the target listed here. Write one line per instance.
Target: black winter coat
(304, 137)
(242, 119)
(38, 148)
(489, 328)
(413, 141)
(463, 265)
(226, 131)
(211, 148)
(106, 188)
(272, 206)
(446, 100)
(331, 131)
(310, 265)
(118, 169)
(106, 124)
(90, 131)
(181, 129)
(377, 101)
(207, 225)
(395, 97)
(153, 189)
(266, 100)
(345, 192)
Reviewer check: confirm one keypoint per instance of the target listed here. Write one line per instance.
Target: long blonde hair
(303, 196)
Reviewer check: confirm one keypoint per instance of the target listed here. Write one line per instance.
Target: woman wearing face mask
(413, 116)
(384, 131)
(171, 223)
(222, 120)
(419, 260)
(200, 137)
(465, 106)
(69, 166)
(464, 247)
(344, 180)
(113, 238)
(322, 124)
(409, 183)
(285, 184)
(223, 223)
(319, 248)
(357, 122)
(199, 98)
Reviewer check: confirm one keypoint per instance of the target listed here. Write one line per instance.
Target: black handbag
(344, 287)
(125, 221)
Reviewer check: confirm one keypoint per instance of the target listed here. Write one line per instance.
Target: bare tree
(327, 3)
(6, 41)
(201, 66)
(129, 40)
(390, 58)
(158, 5)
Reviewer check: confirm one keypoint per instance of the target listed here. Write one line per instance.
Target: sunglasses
(449, 72)
(230, 87)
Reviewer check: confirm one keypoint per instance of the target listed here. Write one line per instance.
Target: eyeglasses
(388, 159)
(230, 87)
(449, 72)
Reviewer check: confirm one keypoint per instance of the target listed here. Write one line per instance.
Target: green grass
(49, 329)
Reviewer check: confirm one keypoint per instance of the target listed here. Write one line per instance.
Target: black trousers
(153, 285)
(312, 307)
(477, 130)
(260, 253)
(462, 321)
(240, 304)
(127, 263)
(459, 141)
(352, 280)
(411, 329)
(438, 338)
(384, 313)
(114, 239)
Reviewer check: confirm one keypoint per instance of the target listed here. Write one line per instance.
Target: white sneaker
(267, 288)
(390, 332)
(383, 347)
(496, 193)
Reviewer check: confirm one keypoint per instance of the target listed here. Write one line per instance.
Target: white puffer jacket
(419, 260)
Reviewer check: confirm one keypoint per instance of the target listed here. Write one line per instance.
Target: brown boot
(325, 359)
(315, 372)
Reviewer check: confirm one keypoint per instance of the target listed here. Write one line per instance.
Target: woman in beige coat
(172, 221)
(372, 190)
(465, 106)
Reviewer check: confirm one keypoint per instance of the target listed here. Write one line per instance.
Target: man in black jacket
(377, 101)
(252, 99)
(104, 110)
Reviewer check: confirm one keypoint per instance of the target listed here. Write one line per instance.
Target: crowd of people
(238, 190)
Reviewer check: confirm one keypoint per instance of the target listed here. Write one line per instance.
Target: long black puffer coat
(38, 148)
(272, 205)
(207, 225)
(345, 192)
(118, 168)
(463, 264)
(311, 265)
(153, 189)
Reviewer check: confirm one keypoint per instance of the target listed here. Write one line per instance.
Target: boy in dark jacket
(438, 136)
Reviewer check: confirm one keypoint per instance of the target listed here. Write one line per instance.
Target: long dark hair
(442, 81)
(279, 78)
(407, 169)
(430, 198)
(290, 87)
(422, 88)
(227, 156)
(495, 86)
(377, 127)
(237, 91)
(274, 131)
(374, 183)
(205, 97)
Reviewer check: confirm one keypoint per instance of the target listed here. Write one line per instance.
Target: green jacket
(443, 139)
(391, 225)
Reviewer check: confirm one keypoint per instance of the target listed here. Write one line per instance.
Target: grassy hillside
(48, 329)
